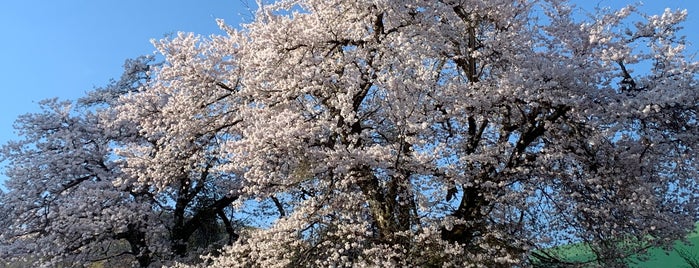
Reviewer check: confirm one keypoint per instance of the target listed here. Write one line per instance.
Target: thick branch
(232, 236)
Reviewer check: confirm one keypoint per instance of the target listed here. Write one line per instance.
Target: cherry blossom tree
(77, 194)
(181, 118)
(463, 133)
(375, 133)
(61, 202)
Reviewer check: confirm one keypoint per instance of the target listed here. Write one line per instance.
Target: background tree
(61, 201)
(74, 197)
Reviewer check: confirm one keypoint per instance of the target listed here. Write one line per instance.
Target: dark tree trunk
(139, 247)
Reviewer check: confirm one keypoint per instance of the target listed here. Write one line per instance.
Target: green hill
(682, 255)
(659, 258)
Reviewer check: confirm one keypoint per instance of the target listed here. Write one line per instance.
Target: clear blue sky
(63, 48)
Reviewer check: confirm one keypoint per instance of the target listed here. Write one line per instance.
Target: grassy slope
(661, 258)
(656, 257)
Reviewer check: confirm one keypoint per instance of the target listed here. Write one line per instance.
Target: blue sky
(65, 48)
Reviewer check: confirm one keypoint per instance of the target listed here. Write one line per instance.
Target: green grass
(656, 257)
(660, 258)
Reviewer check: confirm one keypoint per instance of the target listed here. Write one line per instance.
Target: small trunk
(470, 211)
(137, 242)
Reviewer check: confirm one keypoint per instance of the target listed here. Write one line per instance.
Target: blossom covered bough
(375, 133)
